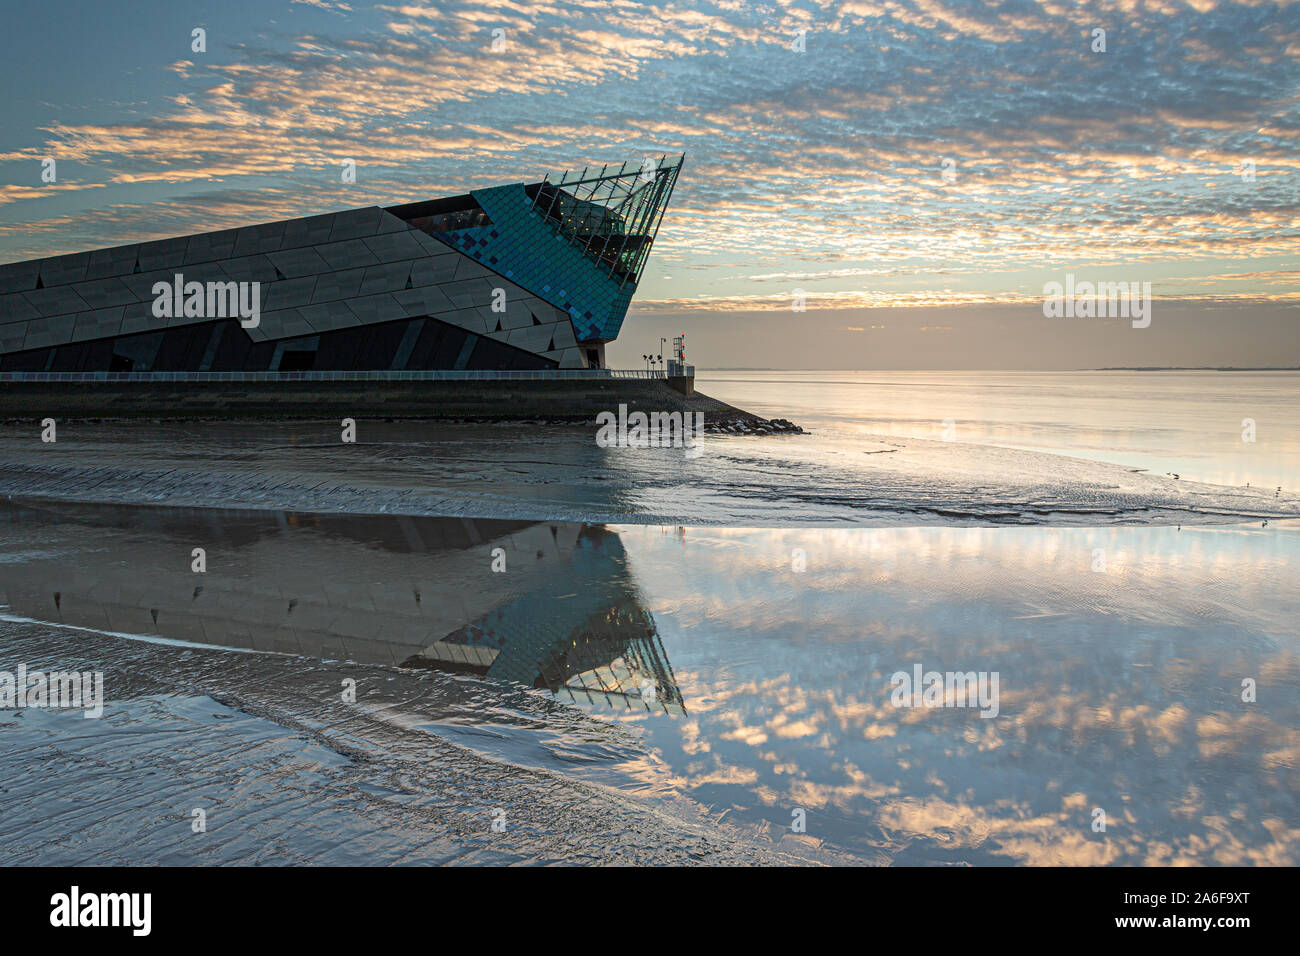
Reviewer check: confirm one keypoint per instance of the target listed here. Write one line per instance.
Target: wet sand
(536, 472)
(679, 655)
(645, 694)
(289, 774)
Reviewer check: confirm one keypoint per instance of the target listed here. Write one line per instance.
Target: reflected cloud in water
(1120, 654)
(1120, 689)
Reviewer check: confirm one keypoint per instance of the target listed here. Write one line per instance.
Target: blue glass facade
(524, 248)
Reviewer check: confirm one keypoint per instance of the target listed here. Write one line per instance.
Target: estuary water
(920, 448)
(556, 669)
(1194, 424)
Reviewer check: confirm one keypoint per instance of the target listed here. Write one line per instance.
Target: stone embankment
(752, 426)
(575, 402)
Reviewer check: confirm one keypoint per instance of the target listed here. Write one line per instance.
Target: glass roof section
(611, 213)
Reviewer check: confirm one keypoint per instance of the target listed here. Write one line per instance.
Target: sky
(867, 185)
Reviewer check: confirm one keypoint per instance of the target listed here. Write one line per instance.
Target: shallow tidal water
(645, 693)
(642, 656)
(994, 449)
(1220, 428)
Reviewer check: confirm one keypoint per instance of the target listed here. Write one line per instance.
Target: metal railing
(381, 375)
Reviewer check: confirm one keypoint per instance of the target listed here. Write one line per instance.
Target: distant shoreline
(1111, 368)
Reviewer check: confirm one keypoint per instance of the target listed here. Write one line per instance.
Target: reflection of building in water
(612, 653)
(583, 636)
(564, 615)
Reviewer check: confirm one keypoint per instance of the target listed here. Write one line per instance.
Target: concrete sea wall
(561, 400)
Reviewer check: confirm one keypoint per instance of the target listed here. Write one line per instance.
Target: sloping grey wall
(317, 274)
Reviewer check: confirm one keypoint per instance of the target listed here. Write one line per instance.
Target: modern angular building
(513, 277)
